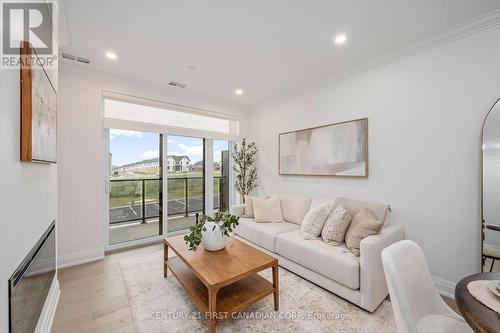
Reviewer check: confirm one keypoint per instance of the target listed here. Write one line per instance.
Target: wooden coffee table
(222, 282)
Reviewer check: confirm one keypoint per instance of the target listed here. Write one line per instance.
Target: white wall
(425, 114)
(81, 179)
(28, 199)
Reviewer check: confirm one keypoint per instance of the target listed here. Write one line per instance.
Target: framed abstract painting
(38, 110)
(339, 150)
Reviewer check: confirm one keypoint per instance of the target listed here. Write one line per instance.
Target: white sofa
(360, 280)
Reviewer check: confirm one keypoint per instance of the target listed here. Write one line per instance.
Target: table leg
(165, 259)
(276, 287)
(212, 308)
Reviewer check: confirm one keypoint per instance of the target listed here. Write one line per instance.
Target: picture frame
(38, 110)
(336, 150)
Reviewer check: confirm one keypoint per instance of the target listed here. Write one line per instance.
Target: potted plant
(245, 172)
(212, 232)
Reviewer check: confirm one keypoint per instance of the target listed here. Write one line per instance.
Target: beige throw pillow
(313, 222)
(333, 232)
(248, 206)
(363, 225)
(267, 210)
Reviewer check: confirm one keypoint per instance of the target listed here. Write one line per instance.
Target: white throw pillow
(249, 205)
(267, 210)
(335, 227)
(313, 221)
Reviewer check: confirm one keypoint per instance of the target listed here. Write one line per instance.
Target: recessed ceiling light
(111, 55)
(192, 67)
(340, 39)
(238, 92)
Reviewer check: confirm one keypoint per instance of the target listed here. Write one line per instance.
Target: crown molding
(462, 30)
(64, 34)
(61, 33)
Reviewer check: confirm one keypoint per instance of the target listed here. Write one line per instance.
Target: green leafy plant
(226, 222)
(244, 168)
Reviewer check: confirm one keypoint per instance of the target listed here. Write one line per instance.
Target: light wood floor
(94, 299)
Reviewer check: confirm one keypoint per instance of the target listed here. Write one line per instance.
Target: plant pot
(213, 239)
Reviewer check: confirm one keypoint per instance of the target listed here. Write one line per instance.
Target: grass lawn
(190, 174)
(124, 193)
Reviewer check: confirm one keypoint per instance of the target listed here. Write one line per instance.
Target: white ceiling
(264, 47)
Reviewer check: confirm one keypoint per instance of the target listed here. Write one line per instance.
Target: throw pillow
(333, 232)
(248, 206)
(267, 210)
(363, 225)
(313, 221)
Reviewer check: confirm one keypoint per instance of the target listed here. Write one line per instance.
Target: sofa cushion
(267, 210)
(363, 225)
(353, 206)
(334, 262)
(263, 234)
(294, 207)
(248, 206)
(315, 202)
(314, 221)
(336, 225)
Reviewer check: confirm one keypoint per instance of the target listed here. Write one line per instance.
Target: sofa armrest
(238, 210)
(373, 286)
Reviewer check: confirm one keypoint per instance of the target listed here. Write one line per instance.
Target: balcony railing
(139, 199)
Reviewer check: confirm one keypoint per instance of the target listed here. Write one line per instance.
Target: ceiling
(264, 47)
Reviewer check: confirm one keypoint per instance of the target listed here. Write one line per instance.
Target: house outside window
(177, 163)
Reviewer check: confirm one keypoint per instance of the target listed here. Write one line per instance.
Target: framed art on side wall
(38, 111)
(339, 150)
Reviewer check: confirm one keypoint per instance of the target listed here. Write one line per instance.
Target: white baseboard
(79, 258)
(445, 288)
(46, 319)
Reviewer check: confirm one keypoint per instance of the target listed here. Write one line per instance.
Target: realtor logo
(27, 21)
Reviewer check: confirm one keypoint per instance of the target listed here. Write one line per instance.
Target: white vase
(213, 239)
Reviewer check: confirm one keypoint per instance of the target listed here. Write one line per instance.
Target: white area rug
(161, 305)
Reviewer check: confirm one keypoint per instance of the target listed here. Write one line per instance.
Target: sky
(129, 146)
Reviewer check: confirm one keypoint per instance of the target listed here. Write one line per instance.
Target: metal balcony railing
(140, 199)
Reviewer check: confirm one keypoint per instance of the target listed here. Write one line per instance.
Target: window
(185, 181)
(135, 196)
(141, 191)
(130, 112)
